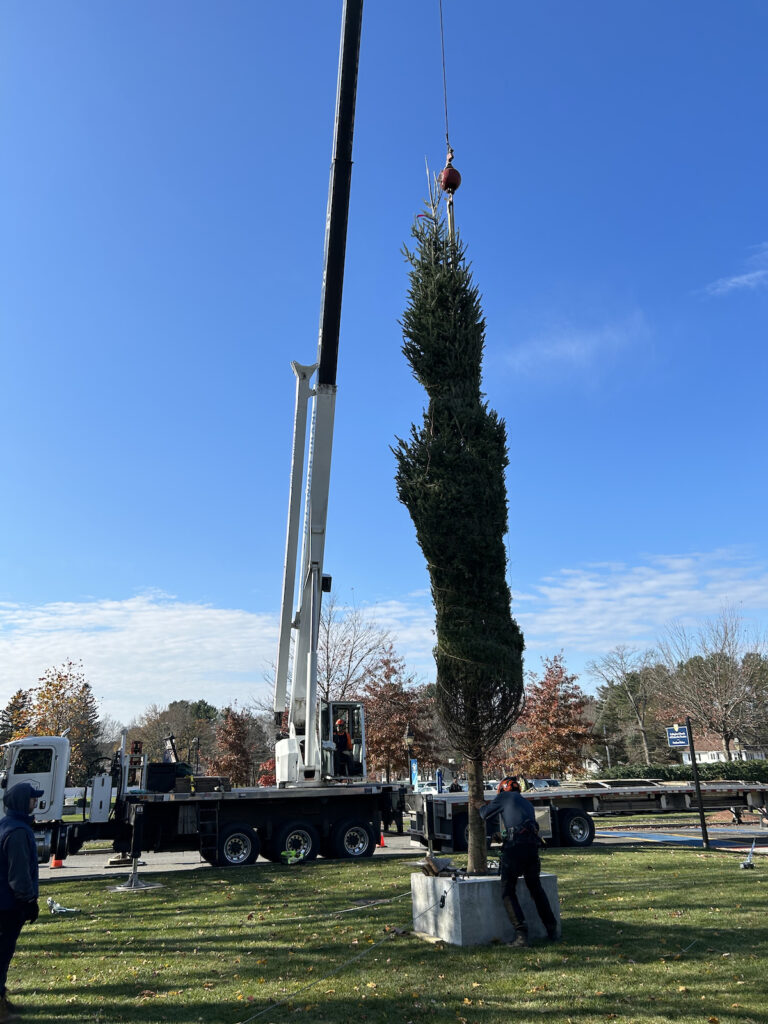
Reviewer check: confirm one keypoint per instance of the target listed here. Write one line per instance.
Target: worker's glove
(31, 911)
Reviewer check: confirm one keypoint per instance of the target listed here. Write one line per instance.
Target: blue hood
(17, 797)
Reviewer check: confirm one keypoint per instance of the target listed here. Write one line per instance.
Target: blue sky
(163, 191)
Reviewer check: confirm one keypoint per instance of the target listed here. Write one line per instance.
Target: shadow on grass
(270, 929)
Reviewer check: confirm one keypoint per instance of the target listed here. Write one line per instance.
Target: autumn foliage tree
(552, 732)
(451, 478)
(266, 773)
(240, 747)
(64, 700)
(392, 704)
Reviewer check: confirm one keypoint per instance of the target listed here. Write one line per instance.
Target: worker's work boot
(520, 941)
(7, 1010)
(552, 935)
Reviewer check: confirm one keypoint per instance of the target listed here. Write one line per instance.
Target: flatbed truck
(566, 813)
(142, 806)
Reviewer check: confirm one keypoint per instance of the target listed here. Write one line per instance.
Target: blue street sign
(677, 736)
(439, 779)
(414, 771)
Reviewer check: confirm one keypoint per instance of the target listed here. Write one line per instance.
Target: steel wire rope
(357, 956)
(335, 913)
(445, 86)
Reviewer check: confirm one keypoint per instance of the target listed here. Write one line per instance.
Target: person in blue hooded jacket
(519, 857)
(18, 878)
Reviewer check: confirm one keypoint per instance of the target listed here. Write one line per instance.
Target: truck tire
(295, 836)
(238, 845)
(576, 828)
(461, 834)
(61, 846)
(352, 840)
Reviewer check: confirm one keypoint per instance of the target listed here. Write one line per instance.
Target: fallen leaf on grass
(713, 1020)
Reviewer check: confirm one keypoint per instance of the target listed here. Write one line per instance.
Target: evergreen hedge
(746, 771)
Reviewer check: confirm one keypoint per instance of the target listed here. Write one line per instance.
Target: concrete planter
(473, 914)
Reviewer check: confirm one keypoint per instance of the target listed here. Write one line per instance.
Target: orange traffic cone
(381, 841)
(56, 862)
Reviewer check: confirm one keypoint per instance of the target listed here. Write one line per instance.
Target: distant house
(709, 749)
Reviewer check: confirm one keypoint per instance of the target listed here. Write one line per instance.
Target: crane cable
(445, 86)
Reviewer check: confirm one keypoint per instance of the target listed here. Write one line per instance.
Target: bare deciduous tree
(350, 645)
(717, 675)
(627, 671)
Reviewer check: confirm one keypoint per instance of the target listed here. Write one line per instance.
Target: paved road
(94, 864)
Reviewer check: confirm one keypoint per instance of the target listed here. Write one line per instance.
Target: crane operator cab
(342, 728)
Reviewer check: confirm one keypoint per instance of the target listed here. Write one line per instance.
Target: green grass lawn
(649, 935)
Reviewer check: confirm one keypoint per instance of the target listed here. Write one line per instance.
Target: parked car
(542, 783)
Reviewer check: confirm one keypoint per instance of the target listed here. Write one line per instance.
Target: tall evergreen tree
(16, 716)
(450, 477)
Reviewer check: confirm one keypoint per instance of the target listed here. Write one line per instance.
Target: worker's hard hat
(508, 784)
(339, 721)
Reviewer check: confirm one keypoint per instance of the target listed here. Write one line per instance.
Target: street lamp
(408, 738)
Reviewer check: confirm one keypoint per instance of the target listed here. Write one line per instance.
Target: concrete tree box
(473, 914)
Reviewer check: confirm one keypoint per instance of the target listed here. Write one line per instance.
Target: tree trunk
(726, 740)
(644, 740)
(477, 861)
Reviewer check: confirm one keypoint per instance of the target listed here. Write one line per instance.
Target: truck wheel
(296, 837)
(62, 845)
(352, 839)
(238, 845)
(576, 828)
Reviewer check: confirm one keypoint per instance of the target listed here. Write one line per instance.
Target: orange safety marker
(56, 862)
(381, 841)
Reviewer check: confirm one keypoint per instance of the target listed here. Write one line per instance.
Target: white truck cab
(43, 761)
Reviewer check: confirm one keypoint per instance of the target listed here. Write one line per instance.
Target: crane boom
(298, 756)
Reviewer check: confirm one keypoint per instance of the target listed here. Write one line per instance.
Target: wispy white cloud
(595, 607)
(577, 348)
(751, 280)
(587, 610)
(143, 650)
(155, 649)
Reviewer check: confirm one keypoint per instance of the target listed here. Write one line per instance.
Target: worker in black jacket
(519, 856)
(18, 878)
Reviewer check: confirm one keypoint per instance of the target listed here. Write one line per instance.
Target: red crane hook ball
(449, 179)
